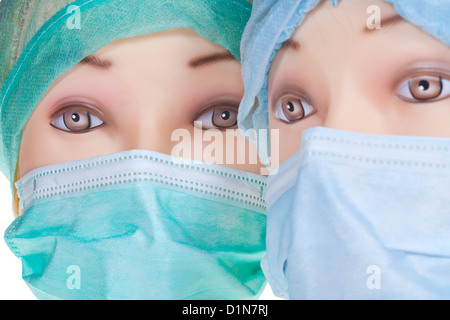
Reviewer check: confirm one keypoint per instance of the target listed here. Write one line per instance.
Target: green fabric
(38, 44)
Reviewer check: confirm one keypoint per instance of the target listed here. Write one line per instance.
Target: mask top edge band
(142, 166)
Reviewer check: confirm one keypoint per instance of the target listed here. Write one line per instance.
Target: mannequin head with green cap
(131, 93)
(92, 95)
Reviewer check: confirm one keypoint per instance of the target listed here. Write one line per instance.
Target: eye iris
(77, 121)
(293, 109)
(425, 87)
(224, 117)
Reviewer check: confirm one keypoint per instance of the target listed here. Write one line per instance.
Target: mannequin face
(133, 94)
(336, 72)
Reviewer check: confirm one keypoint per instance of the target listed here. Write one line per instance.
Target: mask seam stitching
(145, 158)
(48, 192)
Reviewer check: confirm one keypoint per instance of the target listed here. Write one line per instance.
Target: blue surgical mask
(358, 216)
(140, 225)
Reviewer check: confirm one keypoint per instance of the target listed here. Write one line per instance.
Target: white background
(12, 287)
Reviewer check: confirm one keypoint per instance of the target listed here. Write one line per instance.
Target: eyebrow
(211, 58)
(194, 63)
(291, 45)
(390, 21)
(97, 62)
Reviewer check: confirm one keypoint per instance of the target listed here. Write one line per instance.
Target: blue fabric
(272, 22)
(357, 216)
(140, 225)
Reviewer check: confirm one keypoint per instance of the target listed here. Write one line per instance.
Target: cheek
(289, 139)
(42, 145)
(242, 153)
(228, 148)
(290, 135)
(425, 119)
(35, 143)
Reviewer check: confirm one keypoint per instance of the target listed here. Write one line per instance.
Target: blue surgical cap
(273, 21)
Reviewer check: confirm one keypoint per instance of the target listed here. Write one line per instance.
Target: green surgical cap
(42, 39)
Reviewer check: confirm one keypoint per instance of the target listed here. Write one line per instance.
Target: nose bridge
(151, 128)
(351, 108)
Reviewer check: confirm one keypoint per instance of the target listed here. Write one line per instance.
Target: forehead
(156, 63)
(350, 25)
(170, 46)
(336, 41)
(170, 58)
(350, 17)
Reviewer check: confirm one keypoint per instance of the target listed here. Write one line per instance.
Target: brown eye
(225, 117)
(425, 87)
(76, 120)
(221, 117)
(293, 109)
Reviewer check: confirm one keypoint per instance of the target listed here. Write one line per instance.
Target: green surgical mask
(140, 225)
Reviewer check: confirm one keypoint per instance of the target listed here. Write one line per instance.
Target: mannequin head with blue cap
(359, 92)
(373, 67)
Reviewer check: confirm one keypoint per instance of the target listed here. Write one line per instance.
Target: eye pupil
(424, 85)
(225, 115)
(290, 107)
(75, 117)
